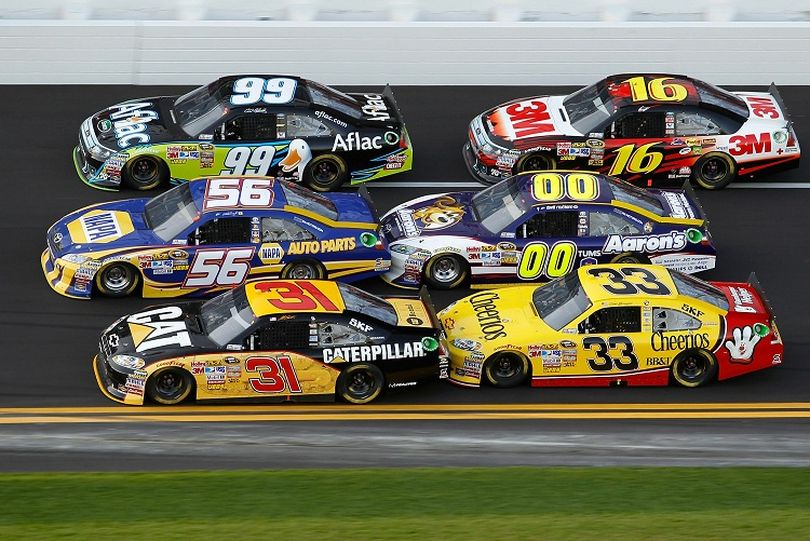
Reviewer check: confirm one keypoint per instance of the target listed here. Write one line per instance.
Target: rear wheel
(360, 383)
(694, 367)
(304, 270)
(506, 369)
(535, 162)
(446, 271)
(145, 173)
(714, 170)
(117, 280)
(630, 259)
(170, 386)
(325, 173)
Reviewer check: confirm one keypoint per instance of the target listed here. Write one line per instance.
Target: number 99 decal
(538, 260)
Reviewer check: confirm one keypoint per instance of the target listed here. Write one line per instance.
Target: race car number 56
(219, 267)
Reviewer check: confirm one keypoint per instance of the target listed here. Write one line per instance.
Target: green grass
(425, 503)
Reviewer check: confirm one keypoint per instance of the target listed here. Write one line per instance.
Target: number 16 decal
(219, 267)
(636, 160)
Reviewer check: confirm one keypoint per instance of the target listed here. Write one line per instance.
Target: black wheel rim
(693, 368)
(534, 163)
(714, 170)
(117, 279)
(170, 385)
(506, 367)
(325, 172)
(362, 384)
(144, 171)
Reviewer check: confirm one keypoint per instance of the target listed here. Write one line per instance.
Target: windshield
(627, 193)
(499, 205)
(171, 213)
(200, 108)
(588, 108)
(692, 287)
(329, 97)
(225, 317)
(718, 98)
(559, 302)
(357, 300)
(306, 199)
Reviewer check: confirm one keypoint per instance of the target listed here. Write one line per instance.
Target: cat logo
(444, 212)
(158, 328)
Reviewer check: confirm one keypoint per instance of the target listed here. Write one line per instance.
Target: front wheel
(145, 173)
(117, 280)
(446, 271)
(170, 386)
(714, 170)
(507, 369)
(694, 368)
(326, 173)
(360, 383)
(304, 270)
(535, 162)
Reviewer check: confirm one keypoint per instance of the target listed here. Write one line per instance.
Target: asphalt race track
(53, 417)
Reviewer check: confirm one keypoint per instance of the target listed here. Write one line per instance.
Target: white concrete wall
(374, 52)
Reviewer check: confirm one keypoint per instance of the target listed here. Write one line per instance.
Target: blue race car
(541, 225)
(212, 234)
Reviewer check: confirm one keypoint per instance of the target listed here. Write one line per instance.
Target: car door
(607, 227)
(247, 143)
(609, 338)
(546, 239)
(637, 141)
(221, 250)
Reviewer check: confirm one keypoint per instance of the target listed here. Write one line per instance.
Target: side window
(560, 224)
(279, 229)
(337, 334)
(601, 224)
(667, 319)
(643, 124)
(689, 123)
(609, 320)
(304, 125)
(222, 231)
(280, 335)
(249, 127)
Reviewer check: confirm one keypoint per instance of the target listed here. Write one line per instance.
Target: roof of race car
(274, 297)
(651, 89)
(602, 282)
(206, 201)
(225, 88)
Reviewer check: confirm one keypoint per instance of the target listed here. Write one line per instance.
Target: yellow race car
(612, 325)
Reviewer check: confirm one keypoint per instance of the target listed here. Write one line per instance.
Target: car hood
(523, 118)
(158, 332)
(440, 214)
(136, 122)
(107, 226)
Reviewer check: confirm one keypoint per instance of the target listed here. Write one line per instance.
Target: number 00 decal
(554, 186)
(538, 260)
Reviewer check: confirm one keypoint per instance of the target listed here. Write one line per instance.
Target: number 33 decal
(603, 361)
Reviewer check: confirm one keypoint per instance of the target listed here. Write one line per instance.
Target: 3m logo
(740, 145)
(523, 119)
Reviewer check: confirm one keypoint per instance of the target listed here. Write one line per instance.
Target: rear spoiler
(773, 91)
(363, 192)
(754, 282)
(388, 94)
(690, 191)
(424, 296)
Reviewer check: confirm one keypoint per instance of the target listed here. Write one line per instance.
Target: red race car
(644, 128)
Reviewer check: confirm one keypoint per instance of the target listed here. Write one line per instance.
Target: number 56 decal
(219, 267)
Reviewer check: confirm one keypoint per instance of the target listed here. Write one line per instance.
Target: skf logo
(100, 226)
(158, 328)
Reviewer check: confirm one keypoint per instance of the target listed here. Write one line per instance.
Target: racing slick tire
(304, 270)
(360, 383)
(325, 173)
(506, 369)
(535, 162)
(714, 171)
(170, 386)
(145, 173)
(117, 280)
(630, 259)
(446, 271)
(694, 367)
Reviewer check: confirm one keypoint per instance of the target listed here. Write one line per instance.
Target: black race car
(272, 339)
(275, 125)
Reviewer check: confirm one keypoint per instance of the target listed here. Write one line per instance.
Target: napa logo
(100, 226)
(271, 252)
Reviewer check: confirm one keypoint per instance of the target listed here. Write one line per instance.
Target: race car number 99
(275, 91)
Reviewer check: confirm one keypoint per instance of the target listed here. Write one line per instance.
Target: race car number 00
(554, 186)
(275, 374)
(219, 267)
(238, 192)
(658, 89)
(275, 91)
(538, 259)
